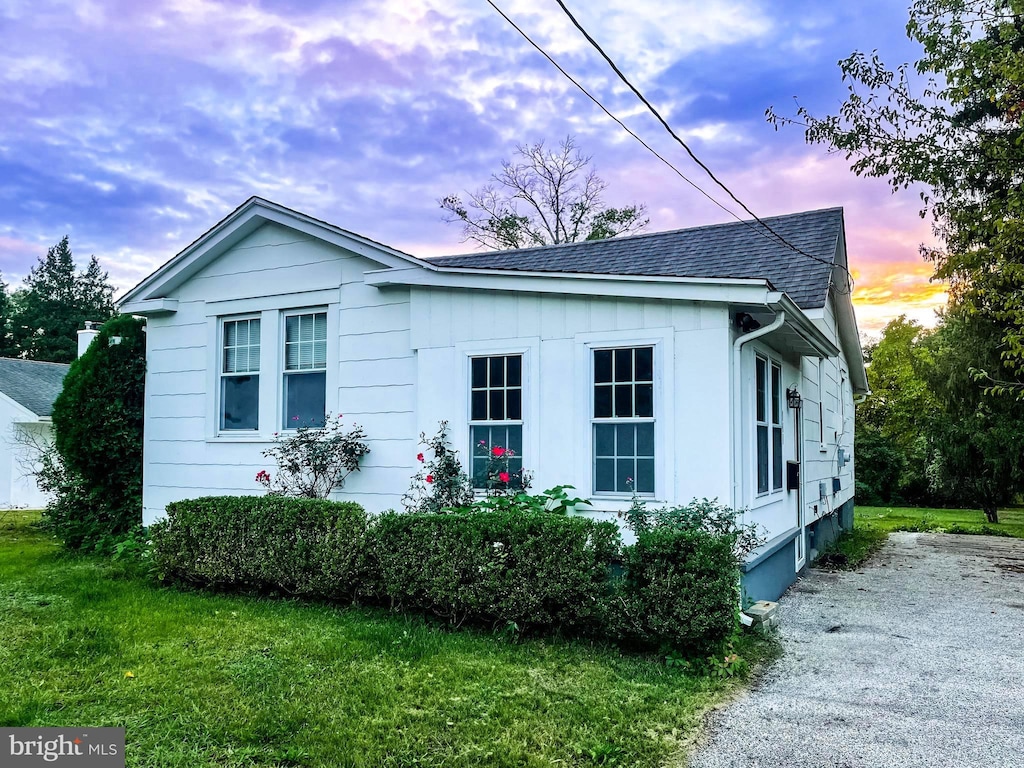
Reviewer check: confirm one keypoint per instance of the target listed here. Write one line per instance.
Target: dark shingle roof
(32, 384)
(733, 250)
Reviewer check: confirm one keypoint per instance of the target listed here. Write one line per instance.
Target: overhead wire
(767, 231)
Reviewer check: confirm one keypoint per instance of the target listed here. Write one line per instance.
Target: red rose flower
(419, 457)
(503, 476)
(498, 451)
(430, 478)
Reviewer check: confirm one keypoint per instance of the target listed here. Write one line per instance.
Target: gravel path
(917, 660)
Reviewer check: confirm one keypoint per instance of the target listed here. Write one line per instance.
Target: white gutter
(737, 398)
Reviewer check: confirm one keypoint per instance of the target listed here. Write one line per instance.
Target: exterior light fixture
(793, 398)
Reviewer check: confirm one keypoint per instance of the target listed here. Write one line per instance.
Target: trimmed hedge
(308, 547)
(680, 592)
(532, 570)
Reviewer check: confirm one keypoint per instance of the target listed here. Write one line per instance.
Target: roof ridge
(34, 362)
(639, 236)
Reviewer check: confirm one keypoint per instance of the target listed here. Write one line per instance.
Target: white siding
(821, 459)
(553, 331)
(18, 457)
(371, 374)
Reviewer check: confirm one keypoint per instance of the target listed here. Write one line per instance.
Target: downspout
(737, 399)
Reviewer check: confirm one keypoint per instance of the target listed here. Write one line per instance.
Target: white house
(719, 361)
(27, 391)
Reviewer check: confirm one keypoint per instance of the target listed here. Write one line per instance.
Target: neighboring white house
(27, 391)
(696, 363)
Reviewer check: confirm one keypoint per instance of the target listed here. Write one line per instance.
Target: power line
(684, 145)
(621, 124)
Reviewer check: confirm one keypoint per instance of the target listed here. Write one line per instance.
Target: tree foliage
(977, 441)
(55, 303)
(96, 475)
(954, 123)
(546, 196)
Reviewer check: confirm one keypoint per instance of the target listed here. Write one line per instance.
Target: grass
(852, 549)
(888, 519)
(203, 679)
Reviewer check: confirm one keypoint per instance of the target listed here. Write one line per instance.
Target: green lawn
(887, 519)
(201, 679)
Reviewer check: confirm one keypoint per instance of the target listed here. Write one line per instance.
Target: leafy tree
(977, 440)
(547, 196)
(56, 301)
(954, 122)
(890, 441)
(95, 473)
(7, 348)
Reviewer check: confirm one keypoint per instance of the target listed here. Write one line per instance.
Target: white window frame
(506, 422)
(771, 364)
(282, 369)
(270, 310)
(221, 374)
(663, 341)
(616, 420)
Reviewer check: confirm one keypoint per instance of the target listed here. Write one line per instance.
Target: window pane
(623, 364)
(239, 400)
(602, 365)
(761, 375)
(644, 476)
(304, 397)
(602, 402)
(478, 376)
(231, 334)
(604, 440)
(762, 459)
(776, 394)
(624, 400)
(776, 458)
(497, 366)
(645, 400)
(625, 440)
(645, 364)
(496, 399)
(514, 408)
(645, 439)
(479, 409)
(320, 326)
(230, 360)
(291, 329)
(514, 439)
(604, 475)
(625, 469)
(320, 354)
(514, 371)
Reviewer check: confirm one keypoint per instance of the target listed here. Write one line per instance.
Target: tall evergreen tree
(56, 301)
(6, 347)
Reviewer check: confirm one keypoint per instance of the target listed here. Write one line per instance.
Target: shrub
(97, 424)
(555, 500)
(504, 569)
(500, 476)
(680, 592)
(441, 484)
(309, 547)
(314, 460)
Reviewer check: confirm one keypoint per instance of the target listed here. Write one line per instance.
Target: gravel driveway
(916, 660)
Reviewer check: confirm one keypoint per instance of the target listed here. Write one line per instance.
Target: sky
(133, 126)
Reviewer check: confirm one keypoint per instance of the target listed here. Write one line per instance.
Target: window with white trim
(623, 420)
(768, 424)
(496, 414)
(305, 370)
(239, 374)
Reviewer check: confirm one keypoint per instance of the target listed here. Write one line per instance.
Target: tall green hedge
(97, 426)
(309, 547)
(533, 572)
